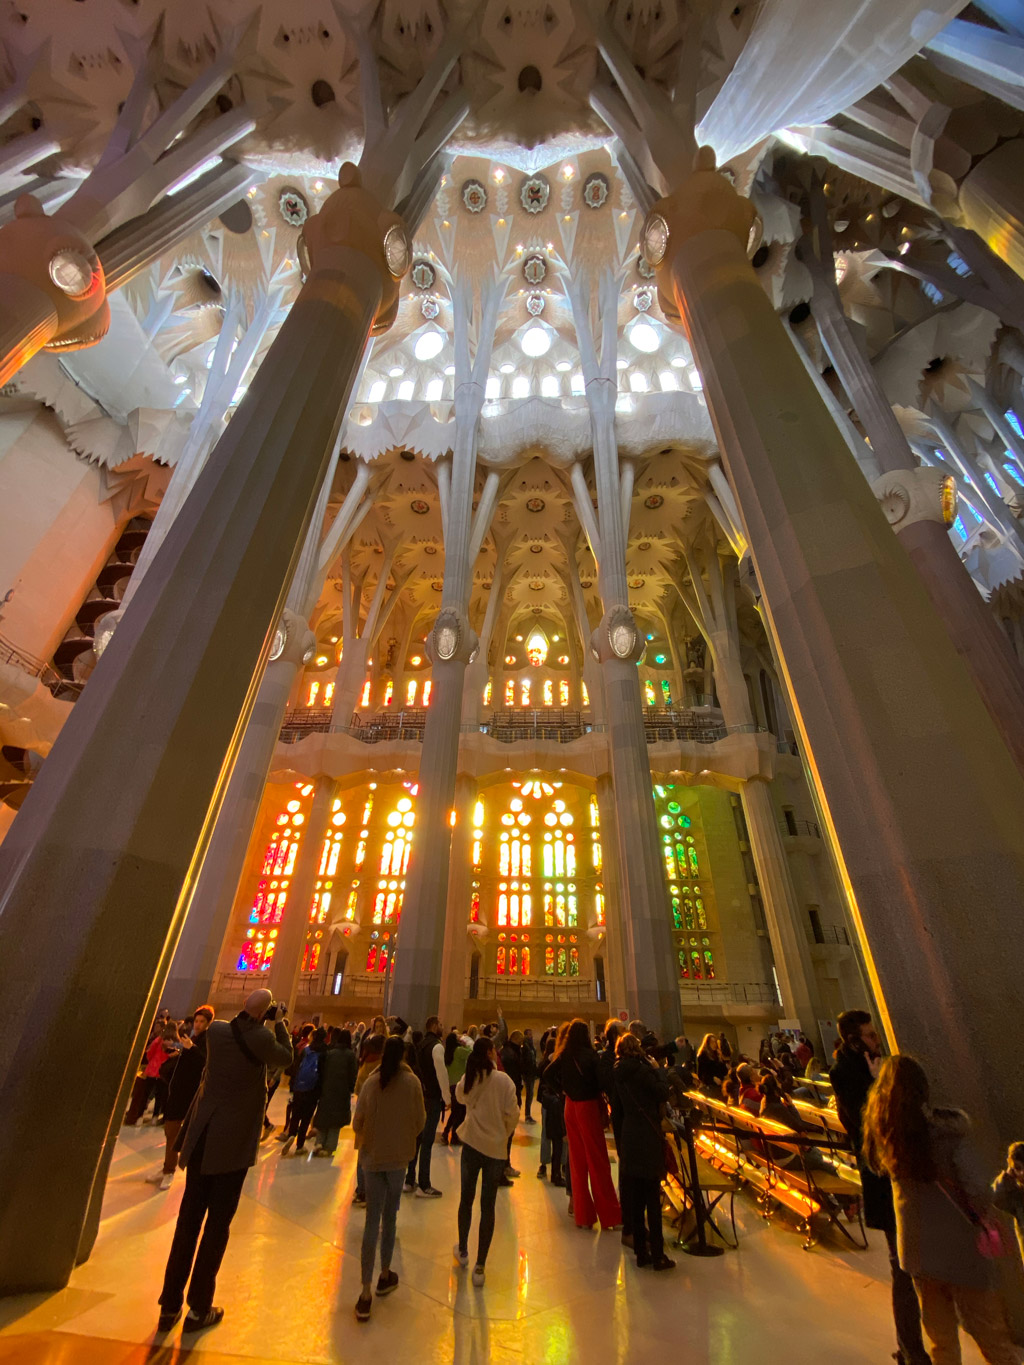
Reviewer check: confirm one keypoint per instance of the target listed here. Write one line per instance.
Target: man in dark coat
(221, 1141)
(529, 1060)
(852, 1075)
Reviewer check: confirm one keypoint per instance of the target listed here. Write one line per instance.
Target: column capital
(352, 219)
(705, 201)
(618, 636)
(911, 495)
(49, 266)
(451, 638)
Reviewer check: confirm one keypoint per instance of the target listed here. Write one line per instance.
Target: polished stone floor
(554, 1295)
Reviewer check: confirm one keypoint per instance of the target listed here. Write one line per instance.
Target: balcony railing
(553, 990)
(728, 993)
(20, 658)
(828, 933)
(808, 828)
(507, 727)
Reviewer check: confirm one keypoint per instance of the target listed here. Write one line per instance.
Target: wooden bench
(757, 1150)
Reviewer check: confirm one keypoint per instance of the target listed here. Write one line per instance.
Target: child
(1008, 1188)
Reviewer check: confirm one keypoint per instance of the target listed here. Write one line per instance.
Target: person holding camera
(221, 1139)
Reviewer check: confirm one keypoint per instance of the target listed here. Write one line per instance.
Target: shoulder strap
(236, 1033)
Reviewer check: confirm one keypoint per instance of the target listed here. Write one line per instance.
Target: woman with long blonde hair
(945, 1238)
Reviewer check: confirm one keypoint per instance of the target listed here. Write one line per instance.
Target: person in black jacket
(307, 1084)
(852, 1075)
(613, 1031)
(552, 1104)
(433, 1076)
(512, 1064)
(182, 1083)
(529, 1061)
(642, 1089)
(712, 1068)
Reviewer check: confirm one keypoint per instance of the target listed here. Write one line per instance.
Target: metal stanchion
(699, 1247)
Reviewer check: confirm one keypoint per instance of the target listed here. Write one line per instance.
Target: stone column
(194, 968)
(973, 629)
(614, 973)
(450, 646)
(286, 964)
(922, 801)
(456, 919)
(97, 870)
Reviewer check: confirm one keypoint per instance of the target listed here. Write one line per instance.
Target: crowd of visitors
(210, 1083)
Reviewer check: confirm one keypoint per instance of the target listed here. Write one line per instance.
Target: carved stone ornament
(642, 300)
(534, 269)
(293, 207)
(911, 495)
(534, 194)
(654, 501)
(618, 637)
(423, 275)
(535, 504)
(429, 308)
(474, 196)
(644, 270)
(654, 239)
(420, 506)
(535, 305)
(595, 190)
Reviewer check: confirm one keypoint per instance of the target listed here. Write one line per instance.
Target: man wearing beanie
(222, 1137)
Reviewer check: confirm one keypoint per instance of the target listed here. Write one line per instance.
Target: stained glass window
(586, 694)
(524, 692)
(549, 692)
(427, 687)
(666, 692)
(649, 696)
(314, 689)
(488, 690)
(271, 893)
(510, 692)
(389, 692)
(410, 692)
(563, 692)
(365, 699)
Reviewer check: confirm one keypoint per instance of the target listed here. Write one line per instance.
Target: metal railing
(728, 993)
(552, 989)
(828, 933)
(507, 727)
(801, 827)
(20, 658)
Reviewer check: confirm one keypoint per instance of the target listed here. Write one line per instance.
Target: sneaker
(512, 1173)
(541, 1172)
(155, 1179)
(663, 1262)
(428, 1193)
(409, 1187)
(387, 1283)
(167, 1321)
(166, 1181)
(199, 1323)
(461, 1256)
(363, 1305)
(478, 1277)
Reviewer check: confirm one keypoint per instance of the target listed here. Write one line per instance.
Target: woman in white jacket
(492, 1112)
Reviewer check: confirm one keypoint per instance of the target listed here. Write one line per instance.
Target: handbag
(989, 1238)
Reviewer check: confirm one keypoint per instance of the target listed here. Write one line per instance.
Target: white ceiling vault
(538, 192)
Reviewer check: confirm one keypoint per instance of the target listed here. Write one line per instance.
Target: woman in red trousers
(593, 1194)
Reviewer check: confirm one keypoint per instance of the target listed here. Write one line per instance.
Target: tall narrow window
(563, 692)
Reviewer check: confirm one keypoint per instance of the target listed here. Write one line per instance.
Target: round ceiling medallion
(279, 641)
(586, 583)
(535, 268)
(642, 300)
(437, 585)
(420, 506)
(474, 196)
(536, 549)
(535, 504)
(423, 275)
(430, 549)
(534, 194)
(595, 190)
(535, 305)
(653, 501)
(447, 635)
(429, 308)
(537, 585)
(293, 207)
(636, 582)
(644, 545)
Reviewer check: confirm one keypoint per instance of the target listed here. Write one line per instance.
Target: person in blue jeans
(434, 1078)
(492, 1112)
(388, 1119)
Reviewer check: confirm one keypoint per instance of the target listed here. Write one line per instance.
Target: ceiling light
(507, 368)
(622, 363)
(643, 336)
(449, 370)
(428, 345)
(678, 362)
(563, 366)
(535, 341)
(396, 372)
